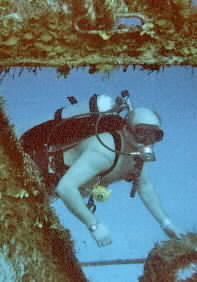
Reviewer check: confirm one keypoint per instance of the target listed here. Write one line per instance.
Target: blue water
(33, 99)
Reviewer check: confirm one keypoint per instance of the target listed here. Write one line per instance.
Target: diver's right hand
(171, 230)
(101, 234)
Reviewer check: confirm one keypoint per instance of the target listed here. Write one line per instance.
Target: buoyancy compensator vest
(81, 126)
(46, 142)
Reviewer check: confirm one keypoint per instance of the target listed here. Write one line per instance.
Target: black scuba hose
(102, 143)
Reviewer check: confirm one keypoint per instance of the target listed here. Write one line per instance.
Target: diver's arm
(92, 161)
(153, 204)
(150, 198)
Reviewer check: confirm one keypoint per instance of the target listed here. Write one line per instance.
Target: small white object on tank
(104, 103)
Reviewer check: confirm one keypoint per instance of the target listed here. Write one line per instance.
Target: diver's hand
(171, 230)
(101, 234)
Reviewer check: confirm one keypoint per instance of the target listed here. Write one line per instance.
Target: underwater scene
(98, 115)
(153, 217)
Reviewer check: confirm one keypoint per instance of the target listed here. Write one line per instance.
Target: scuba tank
(96, 104)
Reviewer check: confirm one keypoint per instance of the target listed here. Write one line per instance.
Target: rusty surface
(67, 34)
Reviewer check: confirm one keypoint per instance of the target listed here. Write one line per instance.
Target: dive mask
(147, 134)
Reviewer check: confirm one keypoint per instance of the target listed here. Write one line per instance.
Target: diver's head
(144, 125)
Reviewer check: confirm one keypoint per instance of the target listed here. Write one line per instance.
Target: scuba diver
(103, 158)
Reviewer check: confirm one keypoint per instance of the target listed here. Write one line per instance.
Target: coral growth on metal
(31, 230)
(172, 261)
(101, 34)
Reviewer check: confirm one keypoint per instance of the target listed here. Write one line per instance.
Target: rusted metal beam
(69, 34)
(113, 262)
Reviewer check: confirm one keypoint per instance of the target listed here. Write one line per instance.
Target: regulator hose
(100, 116)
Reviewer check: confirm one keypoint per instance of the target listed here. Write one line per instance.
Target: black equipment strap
(58, 114)
(93, 104)
(138, 168)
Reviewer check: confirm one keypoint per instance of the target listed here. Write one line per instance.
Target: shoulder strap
(58, 114)
(138, 168)
(93, 103)
(117, 140)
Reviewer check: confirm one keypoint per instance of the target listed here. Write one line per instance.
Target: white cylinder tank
(102, 103)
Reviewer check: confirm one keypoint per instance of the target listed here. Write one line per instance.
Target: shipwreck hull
(68, 34)
(172, 261)
(33, 244)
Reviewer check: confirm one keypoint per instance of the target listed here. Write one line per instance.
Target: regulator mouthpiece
(148, 154)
